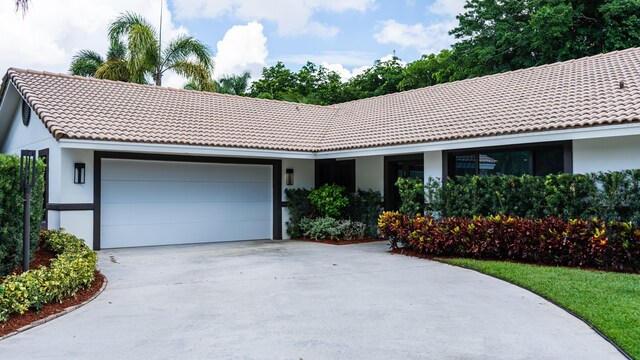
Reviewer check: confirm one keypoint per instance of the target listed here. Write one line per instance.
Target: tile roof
(577, 93)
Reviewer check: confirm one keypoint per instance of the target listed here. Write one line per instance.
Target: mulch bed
(43, 257)
(340, 242)
(411, 253)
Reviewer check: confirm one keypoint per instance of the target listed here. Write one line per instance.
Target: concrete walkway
(297, 300)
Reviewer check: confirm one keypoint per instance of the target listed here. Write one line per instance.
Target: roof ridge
(15, 70)
(502, 74)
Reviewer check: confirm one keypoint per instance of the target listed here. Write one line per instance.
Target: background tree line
(492, 36)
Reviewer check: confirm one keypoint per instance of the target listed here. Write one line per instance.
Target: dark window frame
(332, 164)
(389, 183)
(448, 156)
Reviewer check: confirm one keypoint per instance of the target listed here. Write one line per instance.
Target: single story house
(135, 165)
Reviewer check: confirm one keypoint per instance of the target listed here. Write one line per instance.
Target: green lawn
(609, 301)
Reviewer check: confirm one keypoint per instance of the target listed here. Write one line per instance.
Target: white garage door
(159, 203)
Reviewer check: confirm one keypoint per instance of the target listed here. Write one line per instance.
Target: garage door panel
(179, 171)
(159, 203)
(160, 213)
(192, 191)
(185, 233)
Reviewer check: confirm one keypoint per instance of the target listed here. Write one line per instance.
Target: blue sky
(343, 35)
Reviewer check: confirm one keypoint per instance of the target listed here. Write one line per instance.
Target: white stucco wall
(433, 164)
(72, 193)
(35, 136)
(370, 173)
(606, 154)
(78, 223)
(303, 177)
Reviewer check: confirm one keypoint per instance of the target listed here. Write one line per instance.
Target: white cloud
(425, 38)
(346, 74)
(50, 34)
(346, 58)
(243, 47)
(447, 7)
(292, 17)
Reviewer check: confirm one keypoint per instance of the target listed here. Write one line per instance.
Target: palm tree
(234, 84)
(185, 55)
(90, 63)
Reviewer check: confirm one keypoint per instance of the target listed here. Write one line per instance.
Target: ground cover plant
(71, 270)
(608, 301)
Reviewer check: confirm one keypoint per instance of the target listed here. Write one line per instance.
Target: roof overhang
(9, 100)
(593, 132)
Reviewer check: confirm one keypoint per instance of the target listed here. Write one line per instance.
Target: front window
(533, 160)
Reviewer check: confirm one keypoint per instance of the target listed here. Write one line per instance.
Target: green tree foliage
(311, 85)
(89, 62)
(234, 84)
(496, 36)
(430, 70)
(381, 79)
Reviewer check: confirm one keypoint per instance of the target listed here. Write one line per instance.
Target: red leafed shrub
(590, 243)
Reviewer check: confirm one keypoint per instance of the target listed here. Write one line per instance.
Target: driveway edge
(56, 315)
(595, 329)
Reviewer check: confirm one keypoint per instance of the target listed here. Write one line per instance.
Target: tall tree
(381, 79)
(234, 84)
(90, 63)
(429, 70)
(496, 36)
(185, 55)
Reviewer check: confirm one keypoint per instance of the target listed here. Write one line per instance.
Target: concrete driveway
(297, 300)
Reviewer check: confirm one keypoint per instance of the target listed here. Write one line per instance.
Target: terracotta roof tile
(577, 93)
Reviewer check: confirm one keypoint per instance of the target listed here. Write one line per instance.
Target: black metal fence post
(27, 181)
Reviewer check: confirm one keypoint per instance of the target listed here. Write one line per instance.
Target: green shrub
(299, 207)
(411, 195)
(321, 228)
(71, 270)
(352, 230)
(330, 228)
(365, 206)
(604, 195)
(11, 212)
(329, 200)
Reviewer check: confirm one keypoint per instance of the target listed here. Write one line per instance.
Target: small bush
(72, 270)
(411, 195)
(352, 230)
(330, 228)
(12, 210)
(299, 207)
(593, 243)
(321, 228)
(329, 200)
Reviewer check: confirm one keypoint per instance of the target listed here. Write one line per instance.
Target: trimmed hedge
(72, 270)
(592, 243)
(604, 195)
(11, 212)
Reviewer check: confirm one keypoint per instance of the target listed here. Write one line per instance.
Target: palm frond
(114, 69)
(122, 25)
(235, 84)
(117, 50)
(196, 73)
(184, 48)
(85, 63)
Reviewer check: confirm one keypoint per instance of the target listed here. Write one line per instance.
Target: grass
(607, 300)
